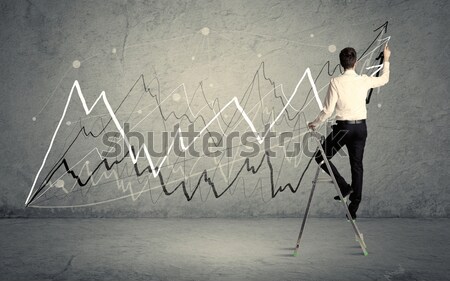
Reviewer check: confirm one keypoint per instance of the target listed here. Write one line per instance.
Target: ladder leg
(355, 227)
(305, 216)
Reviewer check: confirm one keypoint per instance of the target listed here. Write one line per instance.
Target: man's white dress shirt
(347, 93)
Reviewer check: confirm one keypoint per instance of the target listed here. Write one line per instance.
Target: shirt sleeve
(374, 82)
(329, 104)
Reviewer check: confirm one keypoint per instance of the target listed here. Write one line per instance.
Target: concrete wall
(108, 45)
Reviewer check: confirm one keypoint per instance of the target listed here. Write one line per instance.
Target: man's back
(351, 90)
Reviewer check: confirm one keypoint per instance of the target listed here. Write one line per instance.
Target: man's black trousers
(353, 136)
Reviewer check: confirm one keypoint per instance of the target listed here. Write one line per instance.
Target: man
(347, 93)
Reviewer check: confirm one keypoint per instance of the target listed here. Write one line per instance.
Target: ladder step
(324, 180)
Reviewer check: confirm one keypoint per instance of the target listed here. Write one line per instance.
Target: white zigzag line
(134, 157)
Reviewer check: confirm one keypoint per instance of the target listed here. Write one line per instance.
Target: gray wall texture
(220, 46)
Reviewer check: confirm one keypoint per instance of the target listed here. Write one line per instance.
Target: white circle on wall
(205, 31)
(139, 111)
(332, 48)
(59, 183)
(68, 123)
(176, 97)
(34, 118)
(193, 58)
(76, 64)
(379, 105)
(259, 55)
(211, 85)
(311, 35)
(113, 50)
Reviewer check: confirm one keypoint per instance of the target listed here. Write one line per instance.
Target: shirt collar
(349, 72)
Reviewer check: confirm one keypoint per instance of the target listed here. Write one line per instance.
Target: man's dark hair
(347, 57)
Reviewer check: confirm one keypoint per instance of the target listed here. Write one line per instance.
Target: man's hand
(386, 53)
(311, 126)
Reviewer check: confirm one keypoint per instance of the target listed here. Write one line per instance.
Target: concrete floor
(222, 249)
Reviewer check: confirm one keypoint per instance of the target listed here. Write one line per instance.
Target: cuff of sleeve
(315, 123)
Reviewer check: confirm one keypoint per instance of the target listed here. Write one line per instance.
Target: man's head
(347, 57)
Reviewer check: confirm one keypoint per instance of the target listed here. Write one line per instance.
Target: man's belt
(362, 121)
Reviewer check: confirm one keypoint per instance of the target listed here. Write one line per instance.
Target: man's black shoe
(351, 214)
(352, 208)
(348, 191)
